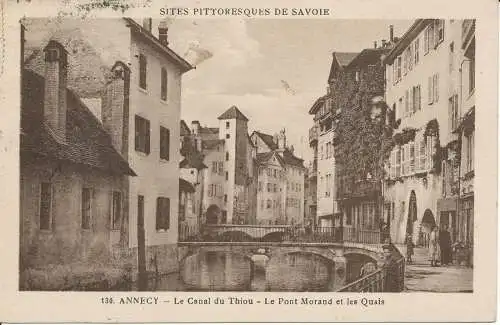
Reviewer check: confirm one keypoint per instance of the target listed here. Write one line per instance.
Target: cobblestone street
(420, 276)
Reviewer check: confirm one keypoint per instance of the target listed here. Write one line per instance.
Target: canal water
(223, 271)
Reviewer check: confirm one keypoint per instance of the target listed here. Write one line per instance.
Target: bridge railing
(388, 278)
(364, 236)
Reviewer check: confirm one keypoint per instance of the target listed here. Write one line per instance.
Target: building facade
(131, 81)
(424, 87)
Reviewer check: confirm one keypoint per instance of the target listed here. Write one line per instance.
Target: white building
(423, 83)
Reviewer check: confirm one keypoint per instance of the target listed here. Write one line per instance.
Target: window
(225, 197)
(426, 40)
(469, 147)
(275, 188)
(117, 210)
(227, 136)
(45, 206)
(275, 173)
(453, 106)
(162, 213)
(142, 135)
(221, 167)
(451, 57)
(227, 125)
(431, 31)
(164, 84)
(164, 143)
(214, 167)
(430, 88)
(227, 156)
(407, 108)
(269, 185)
(405, 61)
(269, 204)
(416, 105)
(412, 158)
(422, 155)
(227, 176)
(417, 51)
(86, 208)
(410, 57)
(436, 87)
(357, 76)
(142, 71)
(397, 165)
(399, 68)
(472, 75)
(439, 31)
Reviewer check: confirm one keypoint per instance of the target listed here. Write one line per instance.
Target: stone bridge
(249, 231)
(339, 257)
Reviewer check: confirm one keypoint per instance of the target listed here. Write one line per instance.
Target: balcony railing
(313, 134)
(388, 278)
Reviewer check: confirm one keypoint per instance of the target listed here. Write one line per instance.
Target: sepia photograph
(246, 155)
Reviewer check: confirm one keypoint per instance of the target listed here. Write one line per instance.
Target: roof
(268, 140)
(367, 57)
(210, 144)
(408, 36)
(291, 159)
(264, 157)
(205, 129)
(233, 113)
(317, 104)
(193, 160)
(184, 129)
(181, 63)
(87, 143)
(185, 186)
(339, 61)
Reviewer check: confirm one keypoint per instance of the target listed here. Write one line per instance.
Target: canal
(223, 271)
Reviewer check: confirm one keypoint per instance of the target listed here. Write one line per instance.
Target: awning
(185, 186)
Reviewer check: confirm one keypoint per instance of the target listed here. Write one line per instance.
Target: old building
(131, 80)
(321, 138)
(425, 88)
(71, 178)
(280, 194)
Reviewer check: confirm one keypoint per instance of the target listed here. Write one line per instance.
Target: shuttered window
(142, 135)
(164, 84)
(164, 143)
(117, 210)
(142, 71)
(162, 213)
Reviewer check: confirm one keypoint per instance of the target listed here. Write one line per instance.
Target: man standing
(445, 246)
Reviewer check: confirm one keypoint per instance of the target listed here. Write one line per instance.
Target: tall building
(280, 194)
(425, 88)
(131, 80)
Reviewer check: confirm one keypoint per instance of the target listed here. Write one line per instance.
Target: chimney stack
(163, 34)
(115, 107)
(384, 43)
(391, 33)
(56, 76)
(147, 24)
(375, 44)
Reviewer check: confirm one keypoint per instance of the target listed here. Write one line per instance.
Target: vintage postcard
(181, 161)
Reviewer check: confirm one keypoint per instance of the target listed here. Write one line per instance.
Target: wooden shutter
(412, 158)
(164, 84)
(407, 109)
(147, 136)
(430, 90)
(436, 87)
(138, 132)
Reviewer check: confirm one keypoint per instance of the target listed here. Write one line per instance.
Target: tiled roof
(344, 58)
(263, 157)
(233, 113)
(208, 130)
(193, 160)
(185, 186)
(268, 140)
(368, 56)
(292, 160)
(210, 144)
(184, 129)
(87, 143)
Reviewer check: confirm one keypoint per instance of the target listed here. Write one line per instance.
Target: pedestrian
(445, 246)
(409, 249)
(393, 278)
(367, 268)
(434, 250)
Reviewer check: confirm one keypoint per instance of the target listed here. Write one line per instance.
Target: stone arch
(412, 214)
(212, 214)
(426, 225)
(235, 236)
(355, 261)
(275, 236)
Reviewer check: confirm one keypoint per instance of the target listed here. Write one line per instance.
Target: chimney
(115, 107)
(147, 24)
(391, 33)
(195, 127)
(163, 34)
(56, 75)
(384, 43)
(375, 44)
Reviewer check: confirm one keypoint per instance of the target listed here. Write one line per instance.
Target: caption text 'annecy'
(248, 12)
(365, 302)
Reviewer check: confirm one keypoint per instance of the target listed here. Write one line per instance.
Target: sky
(271, 69)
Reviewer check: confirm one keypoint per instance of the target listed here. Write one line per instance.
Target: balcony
(468, 29)
(359, 189)
(313, 134)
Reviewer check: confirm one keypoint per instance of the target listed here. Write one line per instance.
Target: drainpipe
(460, 140)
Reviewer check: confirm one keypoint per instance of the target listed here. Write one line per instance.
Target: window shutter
(138, 128)
(412, 157)
(417, 155)
(430, 90)
(147, 136)
(436, 86)
(406, 103)
(419, 98)
(412, 100)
